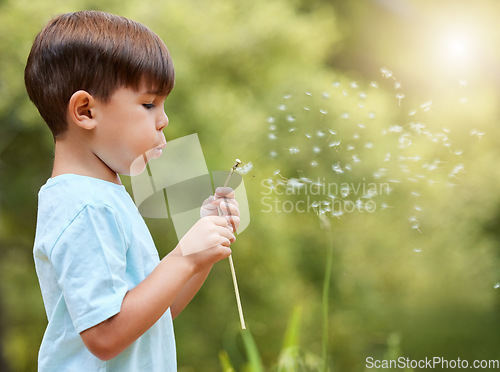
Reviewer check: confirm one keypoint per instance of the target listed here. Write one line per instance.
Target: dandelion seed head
(244, 168)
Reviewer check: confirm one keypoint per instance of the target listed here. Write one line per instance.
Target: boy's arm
(143, 305)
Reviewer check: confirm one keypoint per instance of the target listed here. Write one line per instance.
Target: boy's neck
(71, 157)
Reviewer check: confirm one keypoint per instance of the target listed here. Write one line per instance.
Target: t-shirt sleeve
(89, 259)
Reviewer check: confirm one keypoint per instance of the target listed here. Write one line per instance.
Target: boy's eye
(148, 105)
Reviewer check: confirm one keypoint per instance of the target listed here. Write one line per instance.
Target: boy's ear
(80, 107)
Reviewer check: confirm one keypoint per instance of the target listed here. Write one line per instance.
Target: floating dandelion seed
(496, 285)
(412, 112)
(362, 95)
(397, 85)
(323, 111)
(316, 150)
(294, 150)
(336, 84)
(308, 93)
(373, 84)
(271, 119)
(287, 96)
(272, 127)
(345, 115)
(273, 154)
(314, 163)
(320, 133)
(282, 107)
(354, 85)
(272, 136)
(290, 118)
(400, 96)
(371, 115)
(307, 108)
(337, 169)
(426, 106)
(325, 95)
(388, 74)
(417, 250)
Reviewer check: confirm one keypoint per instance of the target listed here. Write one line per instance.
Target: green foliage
(366, 284)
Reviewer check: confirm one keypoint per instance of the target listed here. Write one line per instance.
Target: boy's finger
(224, 192)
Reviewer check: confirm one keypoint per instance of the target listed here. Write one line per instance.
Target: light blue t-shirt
(91, 247)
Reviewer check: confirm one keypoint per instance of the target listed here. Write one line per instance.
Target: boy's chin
(139, 164)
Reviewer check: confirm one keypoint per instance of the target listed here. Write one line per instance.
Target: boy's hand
(224, 201)
(208, 232)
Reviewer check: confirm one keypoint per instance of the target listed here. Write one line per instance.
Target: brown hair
(97, 52)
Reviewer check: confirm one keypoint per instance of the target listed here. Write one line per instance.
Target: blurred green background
(419, 277)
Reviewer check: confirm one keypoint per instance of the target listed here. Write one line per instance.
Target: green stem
(326, 290)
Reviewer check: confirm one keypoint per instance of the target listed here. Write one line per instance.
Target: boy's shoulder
(73, 189)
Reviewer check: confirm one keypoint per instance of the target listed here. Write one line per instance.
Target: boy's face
(129, 130)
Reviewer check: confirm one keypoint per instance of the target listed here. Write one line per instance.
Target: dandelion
(244, 168)
(231, 264)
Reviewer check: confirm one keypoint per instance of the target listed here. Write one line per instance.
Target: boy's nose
(162, 121)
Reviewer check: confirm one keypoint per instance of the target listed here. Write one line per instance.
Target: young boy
(99, 81)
